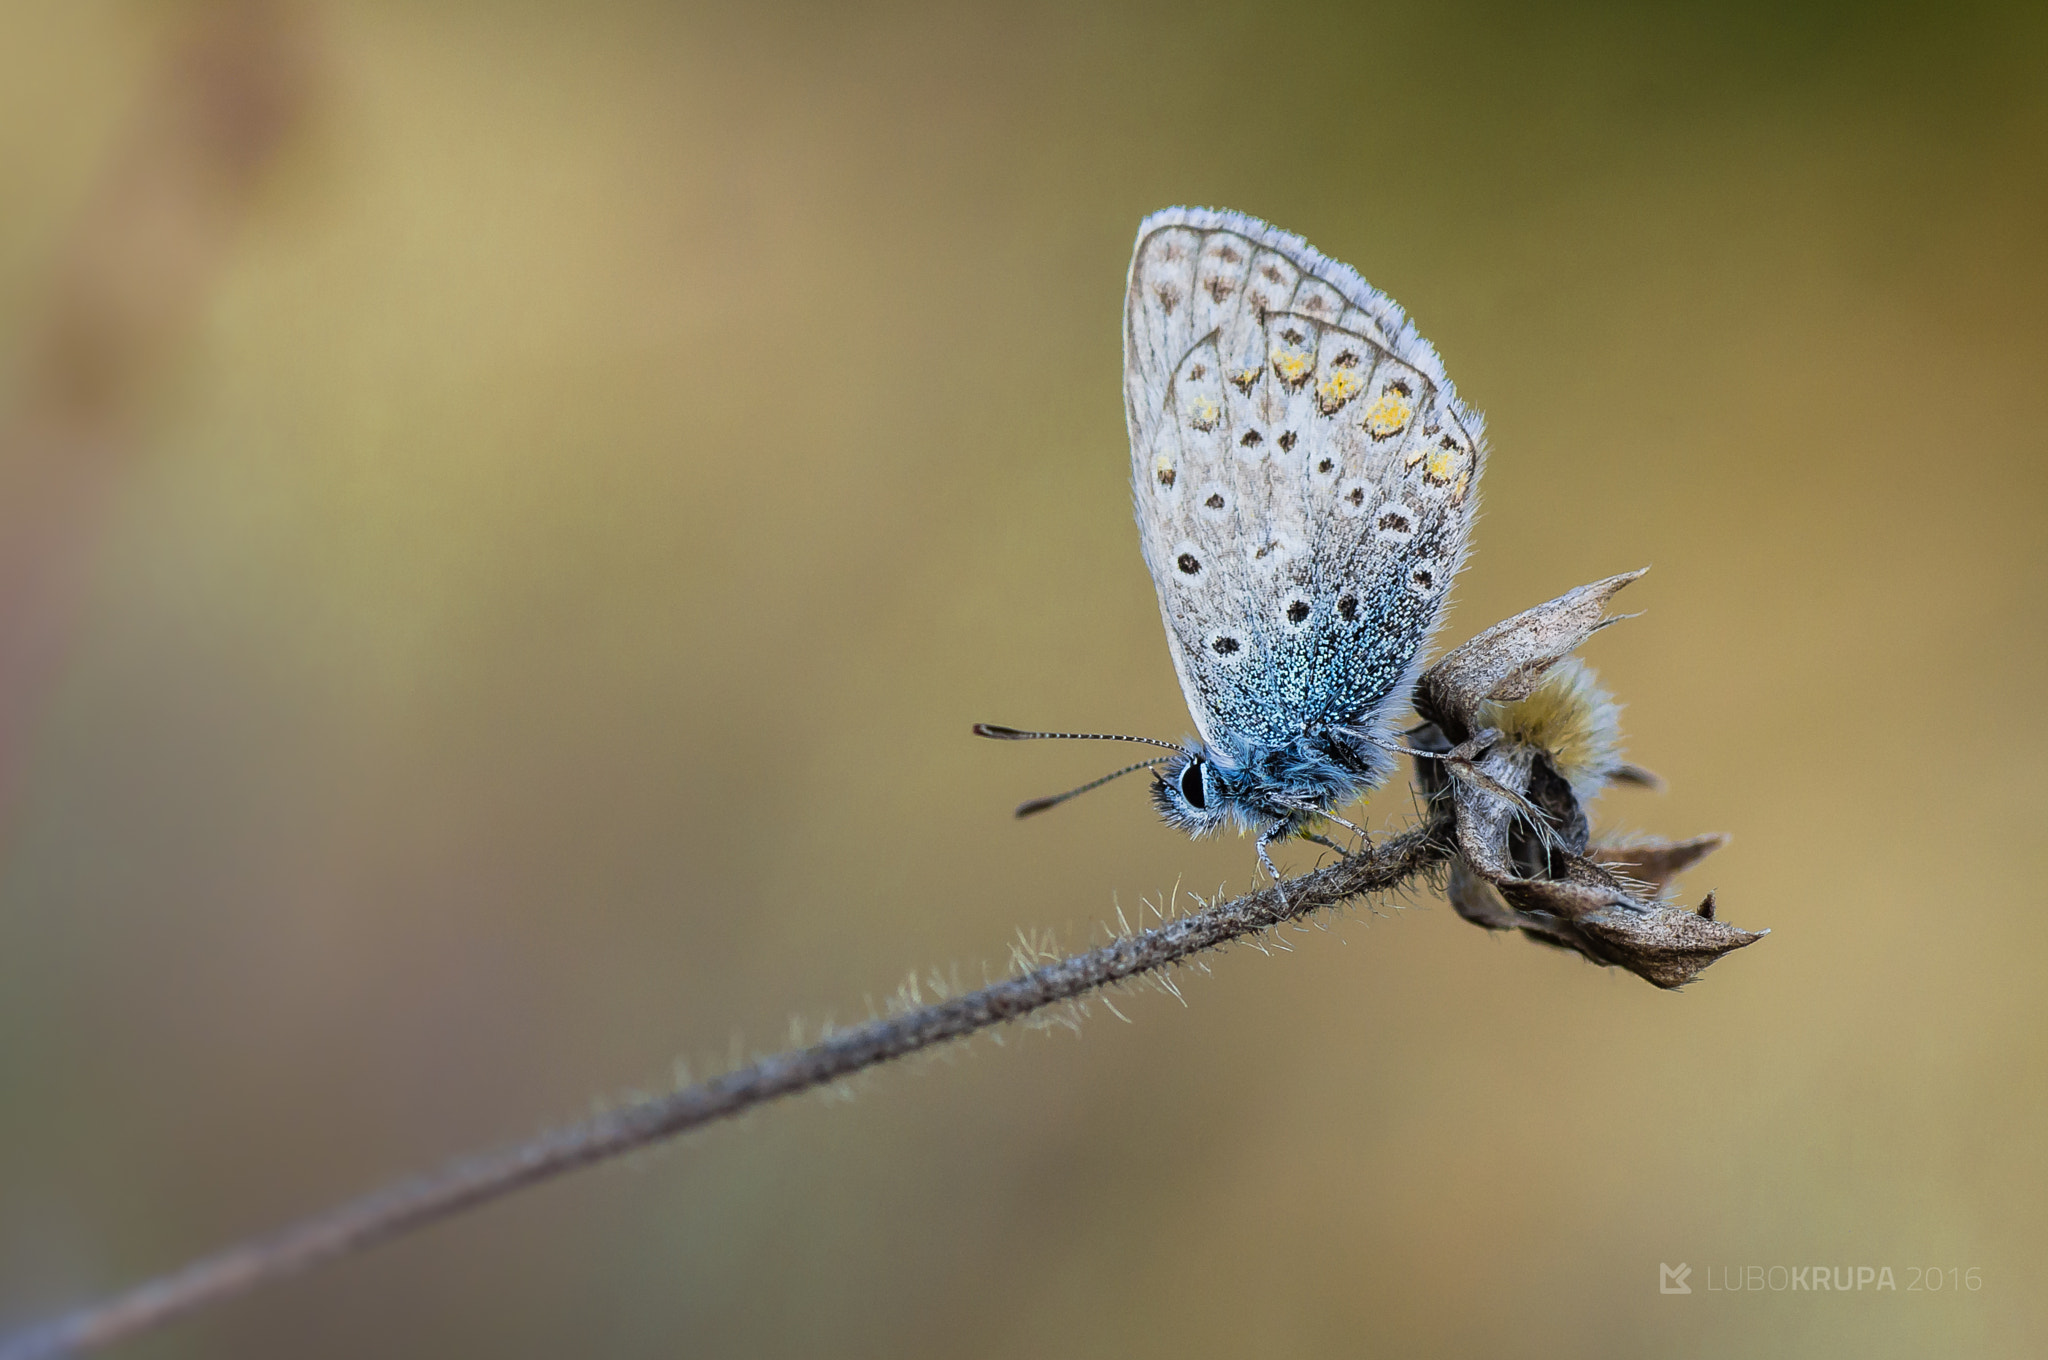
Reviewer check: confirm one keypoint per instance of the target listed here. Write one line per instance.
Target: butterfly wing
(1305, 477)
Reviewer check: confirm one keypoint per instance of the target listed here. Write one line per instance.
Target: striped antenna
(1041, 804)
(1013, 734)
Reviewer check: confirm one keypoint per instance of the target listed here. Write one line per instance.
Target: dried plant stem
(466, 1183)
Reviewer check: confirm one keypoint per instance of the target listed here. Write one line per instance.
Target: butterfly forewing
(1305, 478)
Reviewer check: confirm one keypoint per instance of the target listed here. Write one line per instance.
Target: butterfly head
(1198, 794)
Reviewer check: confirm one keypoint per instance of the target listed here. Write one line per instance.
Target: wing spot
(1292, 364)
(1225, 645)
(1215, 501)
(1348, 359)
(1394, 523)
(1326, 466)
(1169, 298)
(1351, 497)
(1251, 439)
(1423, 580)
(1243, 379)
(1387, 416)
(1198, 372)
(1287, 441)
(1332, 392)
(1273, 275)
(1297, 612)
(1166, 476)
(1347, 608)
(1229, 255)
(1219, 288)
(1188, 563)
(1204, 413)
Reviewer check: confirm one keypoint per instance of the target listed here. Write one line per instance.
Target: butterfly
(1305, 480)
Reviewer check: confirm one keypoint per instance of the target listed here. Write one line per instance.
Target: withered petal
(1507, 660)
(1653, 862)
(1473, 898)
(1667, 945)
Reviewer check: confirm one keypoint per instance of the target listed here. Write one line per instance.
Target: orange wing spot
(1341, 386)
(1292, 365)
(1387, 417)
(1440, 467)
(1204, 413)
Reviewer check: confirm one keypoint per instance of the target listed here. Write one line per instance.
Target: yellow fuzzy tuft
(1570, 717)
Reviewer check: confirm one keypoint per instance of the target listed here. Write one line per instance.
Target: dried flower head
(1521, 739)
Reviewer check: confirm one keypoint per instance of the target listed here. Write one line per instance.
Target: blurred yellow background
(507, 617)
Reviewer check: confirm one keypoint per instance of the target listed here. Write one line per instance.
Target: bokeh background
(507, 513)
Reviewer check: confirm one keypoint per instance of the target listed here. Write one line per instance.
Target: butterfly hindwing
(1304, 474)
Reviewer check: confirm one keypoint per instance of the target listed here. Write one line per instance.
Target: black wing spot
(1356, 496)
(1166, 476)
(1287, 440)
(1252, 439)
(1324, 465)
(1348, 359)
(1188, 563)
(1215, 501)
(1347, 608)
(1225, 646)
(1297, 611)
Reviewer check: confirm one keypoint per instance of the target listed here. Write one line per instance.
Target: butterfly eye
(1191, 786)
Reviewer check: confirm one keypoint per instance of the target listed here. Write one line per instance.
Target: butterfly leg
(1364, 840)
(1271, 834)
(1325, 840)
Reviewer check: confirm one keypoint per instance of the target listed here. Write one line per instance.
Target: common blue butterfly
(1305, 480)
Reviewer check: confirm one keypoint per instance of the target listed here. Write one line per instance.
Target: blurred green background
(509, 511)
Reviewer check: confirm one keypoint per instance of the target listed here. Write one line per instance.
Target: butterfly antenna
(1013, 734)
(1041, 804)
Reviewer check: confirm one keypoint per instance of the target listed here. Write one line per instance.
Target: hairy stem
(477, 1179)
